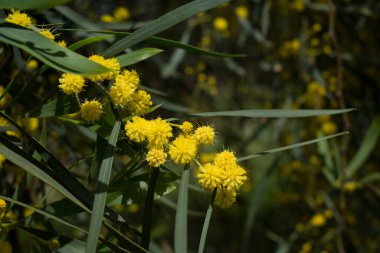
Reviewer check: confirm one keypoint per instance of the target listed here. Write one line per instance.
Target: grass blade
(60, 106)
(206, 223)
(137, 56)
(162, 23)
(101, 192)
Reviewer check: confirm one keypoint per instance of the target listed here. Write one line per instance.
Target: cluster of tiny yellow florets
(91, 110)
(225, 175)
(70, 83)
(111, 63)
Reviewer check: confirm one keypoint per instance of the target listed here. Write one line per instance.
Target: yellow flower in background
(220, 24)
(91, 110)
(186, 128)
(71, 83)
(140, 102)
(156, 157)
(318, 220)
(2, 160)
(136, 129)
(209, 176)
(53, 244)
(111, 63)
(121, 13)
(32, 64)
(19, 18)
(107, 18)
(158, 133)
(183, 149)
(329, 127)
(47, 34)
(62, 43)
(351, 186)
(30, 124)
(224, 198)
(242, 12)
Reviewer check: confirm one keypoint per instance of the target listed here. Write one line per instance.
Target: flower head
(224, 198)
(209, 176)
(107, 18)
(91, 110)
(124, 86)
(140, 102)
(220, 24)
(158, 133)
(121, 13)
(112, 63)
(234, 178)
(205, 135)
(62, 43)
(318, 220)
(186, 128)
(242, 12)
(47, 34)
(136, 129)
(70, 83)
(183, 149)
(19, 18)
(225, 160)
(155, 157)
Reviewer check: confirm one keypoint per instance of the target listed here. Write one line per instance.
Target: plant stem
(207, 222)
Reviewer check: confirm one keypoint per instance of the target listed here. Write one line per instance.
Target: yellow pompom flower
(3, 205)
(62, 43)
(242, 12)
(112, 64)
(204, 135)
(186, 128)
(140, 102)
(30, 124)
(121, 13)
(19, 18)
(318, 220)
(107, 18)
(155, 157)
(209, 176)
(70, 83)
(32, 64)
(183, 149)
(158, 133)
(124, 86)
(234, 178)
(329, 127)
(2, 160)
(136, 129)
(224, 198)
(225, 160)
(220, 24)
(47, 34)
(91, 110)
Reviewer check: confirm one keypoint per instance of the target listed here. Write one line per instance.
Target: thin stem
(206, 223)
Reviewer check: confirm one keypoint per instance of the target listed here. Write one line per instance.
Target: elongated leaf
(60, 106)
(137, 56)
(271, 113)
(206, 223)
(162, 23)
(368, 144)
(48, 51)
(275, 150)
(46, 214)
(34, 4)
(180, 227)
(87, 41)
(101, 194)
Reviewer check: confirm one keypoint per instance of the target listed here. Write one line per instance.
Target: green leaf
(180, 228)
(48, 51)
(34, 4)
(206, 223)
(87, 41)
(101, 191)
(137, 56)
(275, 150)
(60, 106)
(368, 144)
(162, 23)
(271, 113)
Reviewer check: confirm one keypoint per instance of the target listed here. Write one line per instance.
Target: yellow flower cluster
(18, 18)
(112, 63)
(70, 83)
(46, 33)
(91, 110)
(225, 175)
(119, 14)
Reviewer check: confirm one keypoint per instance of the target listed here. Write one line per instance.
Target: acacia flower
(2, 160)
(220, 24)
(155, 157)
(209, 176)
(47, 34)
(121, 13)
(62, 43)
(183, 149)
(136, 129)
(158, 133)
(19, 18)
(186, 128)
(124, 86)
(91, 110)
(111, 63)
(234, 177)
(225, 160)
(140, 102)
(318, 220)
(205, 135)
(224, 198)
(70, 83)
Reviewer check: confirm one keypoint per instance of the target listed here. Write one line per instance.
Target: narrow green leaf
(206, 223)
(275, 150)
(48, 51)
(60, 106)
(180, 227)
(162, 23)
(34, 5)
(87, 41)
(101, 192)
(271, 113)
(137, 56)
(366, 147)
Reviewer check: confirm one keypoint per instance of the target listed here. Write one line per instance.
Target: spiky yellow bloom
(2, 160)
(47, 34)
(155, 157)
(204, 135)
(140, 102)
(234, 178)
(111, 63)
(220, 24)
(125, 85)
(183, 149)
(70, 83)
(3, 205)
(107, 18)
(19, 18)
(318, 220)
(209, 176)
(186, 128)
(224, 198)
(131, 77)
(136, 129)
(158, 133)
(242, 12)
(225, 160)
(121, 13)
(5, 247)
(62, 43)
(91, 110)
